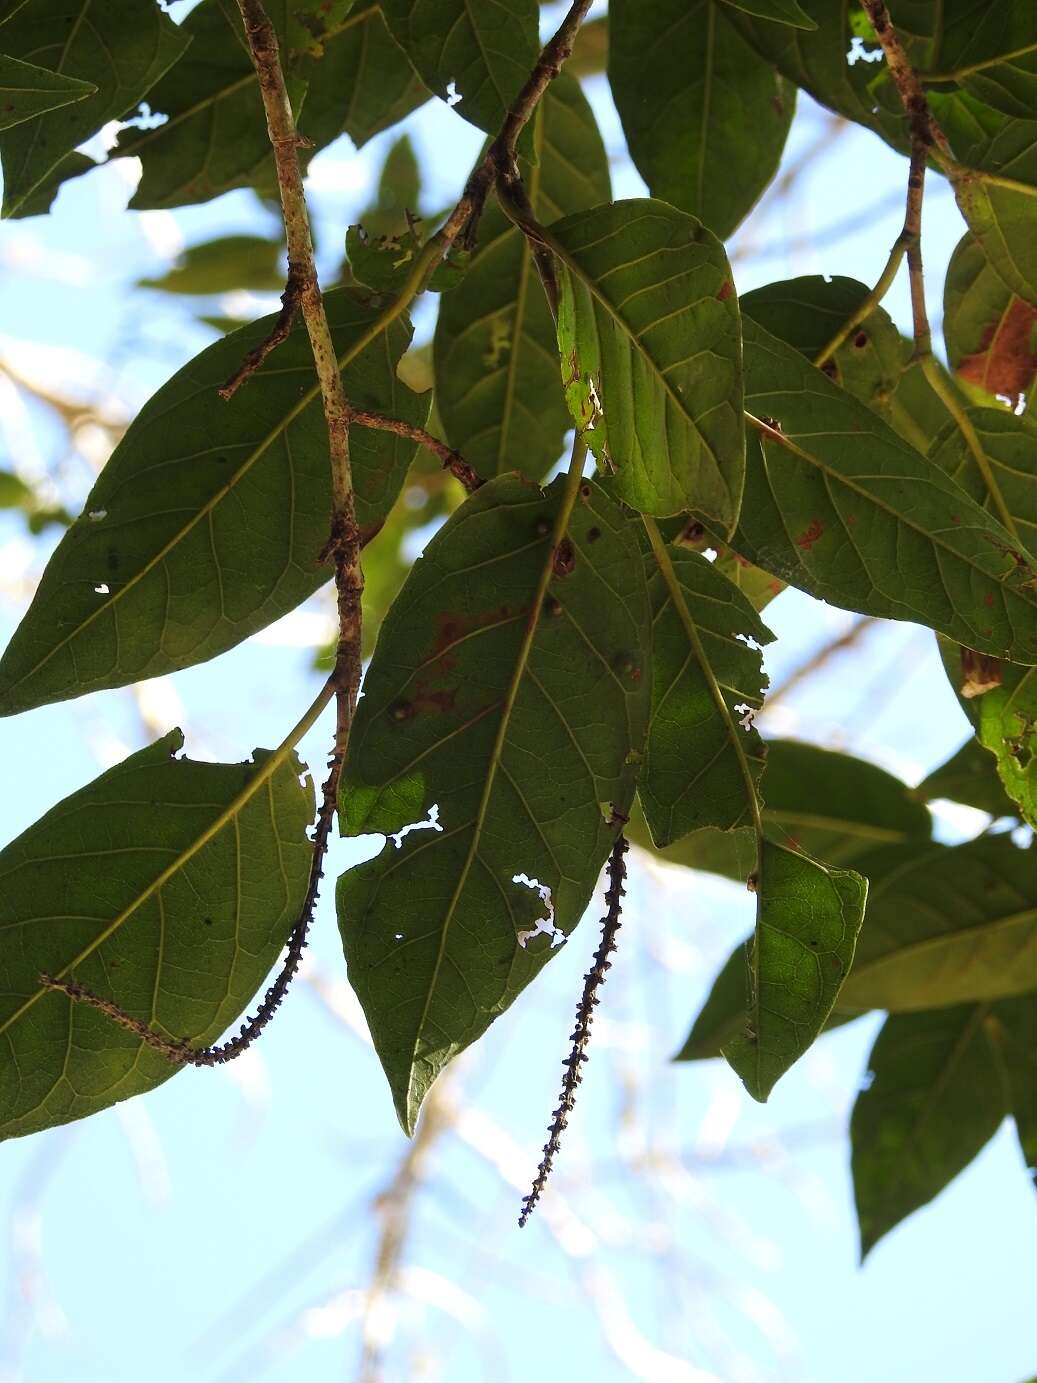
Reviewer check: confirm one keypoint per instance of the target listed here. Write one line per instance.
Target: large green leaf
(806, 313)
(496, 358)
(208, 521)
(215, 137)
(167, 886)
(833, 806)
(27, 91)
(480, 54)
(120, 48)
(990, 332)
(702, 764)
(934, 1100)
(707, 133)
(957, 927)
(646, 301)
(807, 921)
(507, 702)
(840, 506)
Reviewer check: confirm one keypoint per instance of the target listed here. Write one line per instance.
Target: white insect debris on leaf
(545, 926)
(431, 823)
(746, 714)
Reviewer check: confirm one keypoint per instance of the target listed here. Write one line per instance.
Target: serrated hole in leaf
(102, 588)
(453, 96)
(431, 823)
(545, 926)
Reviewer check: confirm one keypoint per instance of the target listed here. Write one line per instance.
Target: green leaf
(958, 927)
(992, 52)
(781, 11)
(481, 53)
(807, 920)
(1005, 483)
(646, 298)
(812, 56)
(209, 519)
(933, 1102)
(830, 805)
(385, 262)
(215, 138)
(222, 265)
(709, 134)
(1013, 1032)
(916, 411)
(363, 84)
(840, 506)
(1002, 219)
(14, 493)
(399, 191)
(723, 1014)
(518, 735)
(806, 313)
(969, 776)
(120, 48)
(27, 91)
(990, 332)
(213, 861)
(701, 764)
(591, 48)
(496, 358)
(1007, 727)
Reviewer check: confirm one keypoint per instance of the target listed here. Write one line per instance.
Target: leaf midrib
(561, 524)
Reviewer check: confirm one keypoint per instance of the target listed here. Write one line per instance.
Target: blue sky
(225, 1226)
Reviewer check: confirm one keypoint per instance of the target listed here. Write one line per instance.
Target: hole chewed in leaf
(545, 926)
(431, 823)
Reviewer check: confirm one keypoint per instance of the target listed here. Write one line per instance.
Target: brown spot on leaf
(725, 290)
(564, 558)
(861, 340)
(593, 534)
(810, 535)
(979, 673)
(1006, 361)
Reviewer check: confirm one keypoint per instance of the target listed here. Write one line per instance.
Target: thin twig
(925, 133)
(589, 999)
(924, 128)
(452, 460)
(291, 301)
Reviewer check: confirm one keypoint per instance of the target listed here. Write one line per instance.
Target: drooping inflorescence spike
(589, 999)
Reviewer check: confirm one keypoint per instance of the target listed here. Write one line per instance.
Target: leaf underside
(524, 788)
